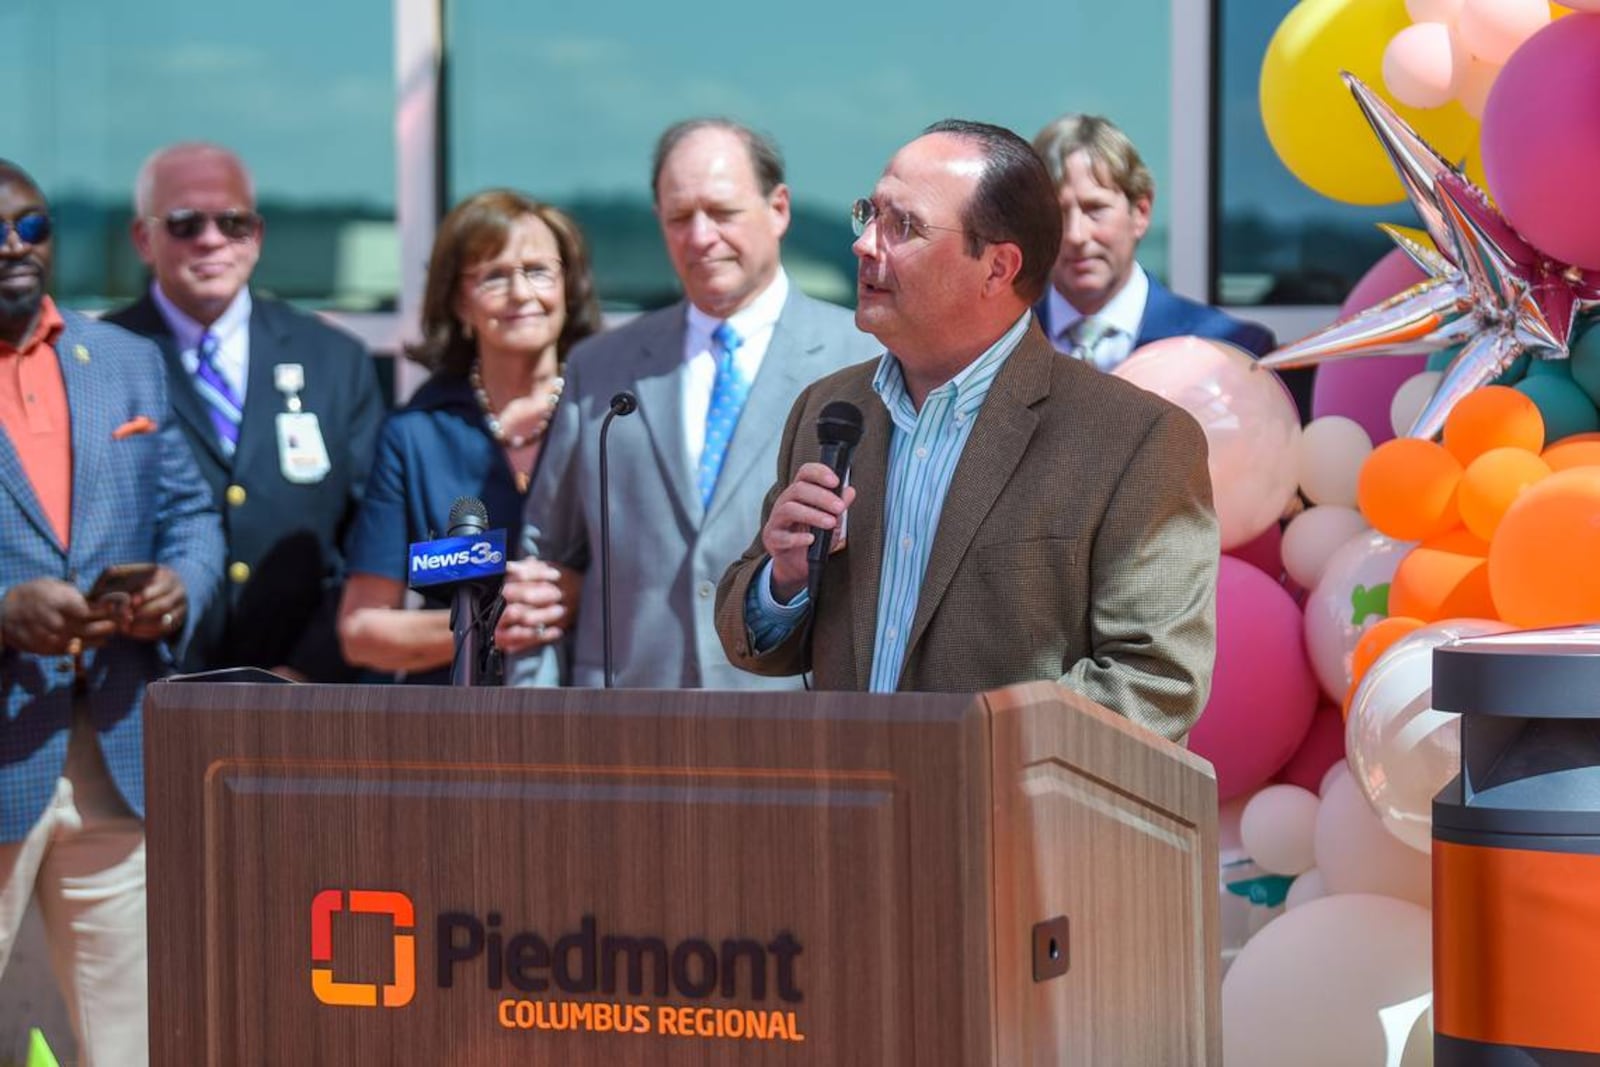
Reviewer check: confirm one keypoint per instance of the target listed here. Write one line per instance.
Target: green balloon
(1514, 373)
(1554, 368)
(1441, 359)
(1565, 407)
(1585, 362)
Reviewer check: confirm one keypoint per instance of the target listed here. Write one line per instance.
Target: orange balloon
(1492, 482)
(1407, 489)
(1542, 561)
(1495, 416)
(1579, 450)
(1446, 577)
(1375, 642)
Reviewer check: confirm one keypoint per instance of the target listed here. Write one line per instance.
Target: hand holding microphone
(801, 531)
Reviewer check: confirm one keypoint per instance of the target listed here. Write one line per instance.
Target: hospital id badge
(302, 454)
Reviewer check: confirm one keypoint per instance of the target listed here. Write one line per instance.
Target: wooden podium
(410, 875)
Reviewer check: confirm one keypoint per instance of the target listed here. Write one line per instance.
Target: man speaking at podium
(1013, 515)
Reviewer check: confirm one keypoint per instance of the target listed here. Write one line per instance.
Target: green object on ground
(39, 1054)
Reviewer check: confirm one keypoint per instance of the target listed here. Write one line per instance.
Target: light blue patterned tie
(221, 401)
(1086, 335)
(728, 394)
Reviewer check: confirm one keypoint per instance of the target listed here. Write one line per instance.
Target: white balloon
(1401, 750)
(1304, 889)
(1357, 855)
(1313, 536)
(1339, 769)
(1328, 984)
(1279, 827)
(1352, 596)
(1332, 450)
(1408, 400)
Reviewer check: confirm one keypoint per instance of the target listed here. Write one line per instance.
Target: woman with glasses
(509, 293)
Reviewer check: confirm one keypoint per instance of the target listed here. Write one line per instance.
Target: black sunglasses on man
(185, 224)
(32, 228)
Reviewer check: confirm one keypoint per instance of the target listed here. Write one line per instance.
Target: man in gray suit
(714, 374)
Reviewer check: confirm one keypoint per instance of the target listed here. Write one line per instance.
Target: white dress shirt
(232, 330)
(1122, 314)
(754, 324)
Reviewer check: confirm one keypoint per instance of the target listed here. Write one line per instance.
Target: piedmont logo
(330, 990)
(588, 979)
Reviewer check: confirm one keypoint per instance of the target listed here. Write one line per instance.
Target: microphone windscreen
(839, 424)
(468, 515)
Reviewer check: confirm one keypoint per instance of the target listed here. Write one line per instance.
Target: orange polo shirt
(34, 415)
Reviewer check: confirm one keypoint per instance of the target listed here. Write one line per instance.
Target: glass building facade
(363, 119)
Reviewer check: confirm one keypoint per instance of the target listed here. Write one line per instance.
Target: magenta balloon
(1541, 139)
(1264, 552)
(1322, 748)
(1362, 388)
(1263, 693)
(1392, 274)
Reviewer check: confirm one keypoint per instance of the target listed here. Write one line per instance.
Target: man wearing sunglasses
(282, 413)
(1014, 516)
(94, 473)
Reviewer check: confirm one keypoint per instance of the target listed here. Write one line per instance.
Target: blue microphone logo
(451, 560)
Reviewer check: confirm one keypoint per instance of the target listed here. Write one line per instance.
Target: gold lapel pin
(80, 353)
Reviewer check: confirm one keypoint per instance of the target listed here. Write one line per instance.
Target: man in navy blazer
(1106, 191)
(303, 398)
(94, 473)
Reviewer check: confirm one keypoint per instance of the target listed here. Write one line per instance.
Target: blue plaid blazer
(136, 499)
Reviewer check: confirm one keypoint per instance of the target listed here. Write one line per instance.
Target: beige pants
(84, 859)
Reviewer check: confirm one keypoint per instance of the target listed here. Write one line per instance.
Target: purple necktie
(221, 401)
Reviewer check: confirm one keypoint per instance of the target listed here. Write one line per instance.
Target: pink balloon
(1262, 689)
(1252, 428)
(1419, 65)
(1492, 29)
(1321, 749)
(1541, 140)
(1362, 388)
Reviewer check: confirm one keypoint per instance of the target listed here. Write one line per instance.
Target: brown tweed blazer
(1077, 543)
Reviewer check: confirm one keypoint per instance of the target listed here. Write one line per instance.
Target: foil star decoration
(1488, 290)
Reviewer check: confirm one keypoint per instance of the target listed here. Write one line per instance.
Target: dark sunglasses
(33, 228)
(185, 224)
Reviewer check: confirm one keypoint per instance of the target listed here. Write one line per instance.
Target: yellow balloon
(1310, 116)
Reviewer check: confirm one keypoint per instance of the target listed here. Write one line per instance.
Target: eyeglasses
(497, 281)
(893, 225)
(32, 228)
(185, 224)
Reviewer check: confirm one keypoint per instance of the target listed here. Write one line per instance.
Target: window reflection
(305, 96)
(1276, 241)
(594, 86)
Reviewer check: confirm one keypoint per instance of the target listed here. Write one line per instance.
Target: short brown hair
(1013, 203)
(1110, 151)
(766, 162)
(475, 230)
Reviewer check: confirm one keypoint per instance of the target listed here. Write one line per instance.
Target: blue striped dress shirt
(925, 446)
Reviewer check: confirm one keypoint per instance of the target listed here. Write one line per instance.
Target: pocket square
(137, 424)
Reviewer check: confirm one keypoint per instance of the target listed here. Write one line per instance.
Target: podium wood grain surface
(649, 878)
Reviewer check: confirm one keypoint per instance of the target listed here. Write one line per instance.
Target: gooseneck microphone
(624, 403)
(838, 432)
(468, 518)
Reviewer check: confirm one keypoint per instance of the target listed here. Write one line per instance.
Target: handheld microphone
(623, 403)
(838, 433)
(469, 562)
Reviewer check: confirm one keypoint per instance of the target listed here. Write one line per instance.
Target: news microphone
(468, 563)
(623, 403)
(838, 433)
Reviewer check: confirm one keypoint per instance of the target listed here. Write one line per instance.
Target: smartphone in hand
(113, 590)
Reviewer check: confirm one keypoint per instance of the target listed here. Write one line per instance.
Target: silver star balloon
(1488, 290)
